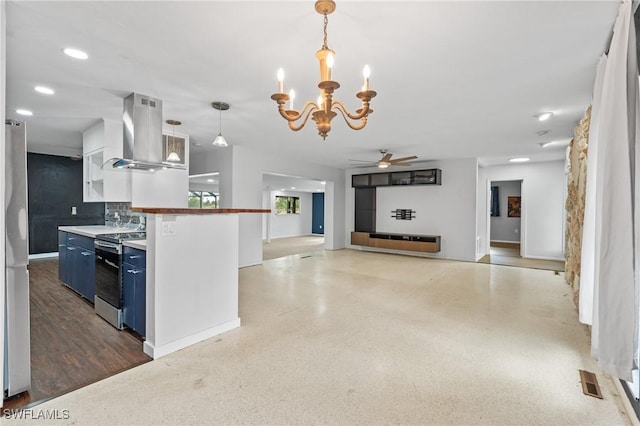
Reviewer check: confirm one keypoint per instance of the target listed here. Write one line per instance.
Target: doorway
(505, 225)
(296, 223)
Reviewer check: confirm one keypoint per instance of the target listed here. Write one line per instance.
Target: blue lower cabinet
(76, 263)
(87, 273)
(134, 276)
(63, 269)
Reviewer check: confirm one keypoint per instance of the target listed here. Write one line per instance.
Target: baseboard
(480, 256)
(156, 352)
(559, 259)
(43, 255)
(505, 241)
(625, 397)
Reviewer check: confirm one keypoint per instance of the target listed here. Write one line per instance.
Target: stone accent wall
(576, 191)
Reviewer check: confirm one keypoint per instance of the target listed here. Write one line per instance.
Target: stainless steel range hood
(142, 137)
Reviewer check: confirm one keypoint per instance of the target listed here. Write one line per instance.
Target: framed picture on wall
(513, 206)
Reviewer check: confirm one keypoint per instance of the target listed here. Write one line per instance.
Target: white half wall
(200, 252)
(448, 210)
(503, 227)
(543, 198)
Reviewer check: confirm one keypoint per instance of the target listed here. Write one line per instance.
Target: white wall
(163, 188)
(291, 225)
(241, 174)
(3, 79)
(503, 227)
(448, 210)
(542, 206)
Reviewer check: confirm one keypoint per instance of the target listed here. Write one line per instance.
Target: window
(203, 200)
(287, 205)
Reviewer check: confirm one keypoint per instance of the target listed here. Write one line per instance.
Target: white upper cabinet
(101, 143)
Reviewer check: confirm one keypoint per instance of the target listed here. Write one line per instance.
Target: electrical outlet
(168, 229)
(516, 230)
(74, 210)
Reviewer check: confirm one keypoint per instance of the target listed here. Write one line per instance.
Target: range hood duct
(142, 135)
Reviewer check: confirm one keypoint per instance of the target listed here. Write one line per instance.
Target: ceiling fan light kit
(326, 107)
(386, 160)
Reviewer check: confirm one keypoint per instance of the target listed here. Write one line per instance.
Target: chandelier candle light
(324, 109)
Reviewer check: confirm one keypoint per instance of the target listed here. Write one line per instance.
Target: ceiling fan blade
(385, 159)
(400, 160)
(401, 164)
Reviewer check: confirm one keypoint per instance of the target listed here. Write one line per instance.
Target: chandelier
(325, 108)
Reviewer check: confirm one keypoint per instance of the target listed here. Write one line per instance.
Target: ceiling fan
(386, 160)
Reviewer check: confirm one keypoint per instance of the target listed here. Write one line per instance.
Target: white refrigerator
(17, 333)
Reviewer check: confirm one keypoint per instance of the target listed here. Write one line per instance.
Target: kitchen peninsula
(192, 275)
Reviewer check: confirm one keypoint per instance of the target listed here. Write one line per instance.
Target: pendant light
(220, 140)
(172, 148)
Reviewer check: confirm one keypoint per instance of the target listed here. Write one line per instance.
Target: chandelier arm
(345, 115)
(365, 110)
(308, 108)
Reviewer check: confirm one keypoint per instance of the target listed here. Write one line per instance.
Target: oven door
(108, 274)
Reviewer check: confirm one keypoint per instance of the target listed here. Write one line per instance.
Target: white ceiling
(454, 79)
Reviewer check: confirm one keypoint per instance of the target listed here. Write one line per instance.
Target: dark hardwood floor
(71, 346)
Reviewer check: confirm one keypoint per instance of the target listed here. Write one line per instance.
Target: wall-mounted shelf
(409, 177)
(406, 242)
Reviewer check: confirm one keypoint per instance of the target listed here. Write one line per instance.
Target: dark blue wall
(55, 185)
(317, 215)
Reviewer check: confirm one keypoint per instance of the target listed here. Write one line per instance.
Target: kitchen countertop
(92, 230)
(137, 244)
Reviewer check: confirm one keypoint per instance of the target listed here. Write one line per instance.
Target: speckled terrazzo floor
(281, 247)
(354, 337)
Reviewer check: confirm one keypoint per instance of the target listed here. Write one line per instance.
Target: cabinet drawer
(135, 257)
(80, 241)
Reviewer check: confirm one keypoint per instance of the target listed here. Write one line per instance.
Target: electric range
(108, 274)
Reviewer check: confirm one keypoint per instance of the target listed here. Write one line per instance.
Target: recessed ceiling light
(210, 180)
(545, 144)
(293, 187)
(282, 189)
(44, 90)
(544, 116)
(24, 112)
(75, 53)
(519, 159)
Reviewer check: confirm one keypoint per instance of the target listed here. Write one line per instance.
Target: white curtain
(615, 309)
(588, 271)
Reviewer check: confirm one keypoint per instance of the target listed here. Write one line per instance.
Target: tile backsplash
(119, 215)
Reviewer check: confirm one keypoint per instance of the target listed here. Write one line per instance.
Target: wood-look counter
(161, 210)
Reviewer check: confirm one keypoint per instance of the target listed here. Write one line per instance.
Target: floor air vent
(590, 384)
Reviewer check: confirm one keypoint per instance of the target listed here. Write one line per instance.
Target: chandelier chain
(324, 40)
